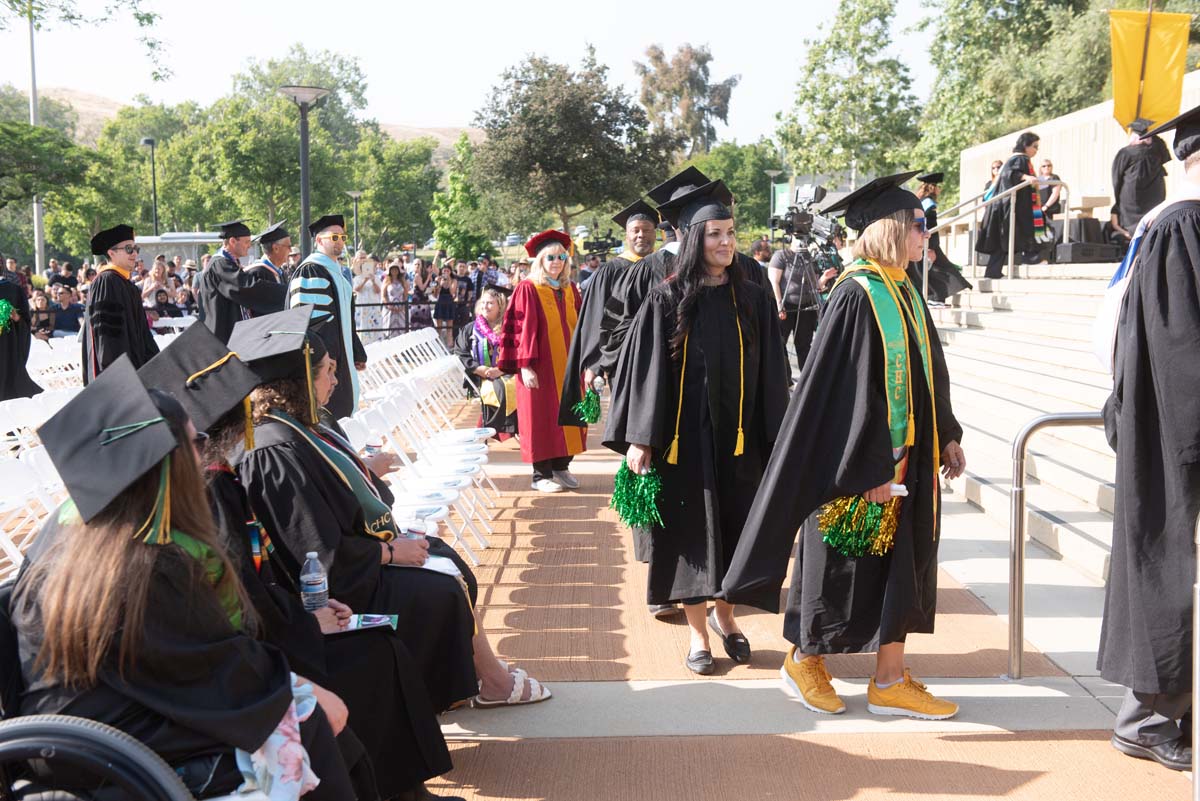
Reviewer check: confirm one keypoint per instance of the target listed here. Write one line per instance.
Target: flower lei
(488, 341)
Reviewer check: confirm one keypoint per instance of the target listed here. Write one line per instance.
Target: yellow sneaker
(809, 681)
(908, 697)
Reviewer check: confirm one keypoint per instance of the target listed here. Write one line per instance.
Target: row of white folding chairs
(21, 417)
(30, 490)
(420, 354)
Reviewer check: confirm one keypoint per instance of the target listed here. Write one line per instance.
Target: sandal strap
(518, 689)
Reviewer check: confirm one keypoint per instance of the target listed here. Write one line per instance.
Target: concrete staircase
(1018, 349)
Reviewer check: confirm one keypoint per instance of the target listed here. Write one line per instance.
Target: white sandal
(537, 692)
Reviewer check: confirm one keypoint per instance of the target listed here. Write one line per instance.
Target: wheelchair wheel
(99, 760)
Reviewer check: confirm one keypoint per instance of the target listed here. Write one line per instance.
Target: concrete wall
(1081, 145)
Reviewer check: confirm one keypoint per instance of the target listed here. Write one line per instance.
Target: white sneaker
(546, 485)
(565, 478)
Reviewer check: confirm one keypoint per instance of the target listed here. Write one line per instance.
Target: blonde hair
(886, 240)
(537, 268)
(501, 302)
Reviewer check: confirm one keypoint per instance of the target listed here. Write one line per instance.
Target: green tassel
(588, 409)
(636, 497)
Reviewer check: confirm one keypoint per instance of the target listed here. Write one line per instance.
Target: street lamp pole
(305, 97)
(772, 175)
(149, 142)
(355, 195)
(39, 230)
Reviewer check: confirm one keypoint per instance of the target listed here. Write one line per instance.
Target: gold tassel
(312, 400)
(249, 410)
(673, 451)
(741, 444)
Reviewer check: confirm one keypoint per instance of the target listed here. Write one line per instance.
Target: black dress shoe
(700, 662)
(1173, 754)
(736, 645)
(664, 611)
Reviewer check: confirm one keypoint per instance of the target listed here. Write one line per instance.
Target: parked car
(513, 239)
(430, 243)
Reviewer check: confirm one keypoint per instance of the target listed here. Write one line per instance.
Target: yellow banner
(1166, 59)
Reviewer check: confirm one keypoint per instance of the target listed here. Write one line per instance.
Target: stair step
(1071, 329)
(1087, 287)
(1037, 272)
(1030, 379)
(980, 404)
(1034, 349)
(1071, 306)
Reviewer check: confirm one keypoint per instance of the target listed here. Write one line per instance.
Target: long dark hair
(684, 285)
(1025, 140)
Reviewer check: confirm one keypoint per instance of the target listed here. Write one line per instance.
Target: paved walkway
(563, 598)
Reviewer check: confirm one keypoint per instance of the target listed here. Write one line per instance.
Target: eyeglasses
(559, 256)
(337, 237)
(129, 250)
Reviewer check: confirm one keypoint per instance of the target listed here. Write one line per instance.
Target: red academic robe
(537, 334)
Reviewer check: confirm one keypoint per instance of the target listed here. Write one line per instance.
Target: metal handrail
(973, 211)
(1016, 530)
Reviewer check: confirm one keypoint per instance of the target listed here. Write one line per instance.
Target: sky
(431, 63)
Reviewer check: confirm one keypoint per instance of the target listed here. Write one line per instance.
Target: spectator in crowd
(761, 252)
(488, 268)
(185, 301)
(443, 310)
(589, 268)
(64, 276)
(1030, 226)
(52, 268)
(1050, 195)
(424, 285)
(89, 275)
(41, 317)
(1139, 181)
(67, 313)
(995, 173)
(156, 280)
(367, 297)
(163, 306)
(204, 260)
(395, 293)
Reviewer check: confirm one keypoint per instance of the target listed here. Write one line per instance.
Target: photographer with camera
(798, 288)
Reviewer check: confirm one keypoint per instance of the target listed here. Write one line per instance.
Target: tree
(14, 107)
(455, 211)
(743, 168)
(77, 210)
(34, 160)
(564, 141)
(680, 96)
(854, 111)
(398, 181)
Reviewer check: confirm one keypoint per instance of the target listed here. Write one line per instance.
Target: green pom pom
(6, 313)
(588, 409)
(636, 497)
(849, 525)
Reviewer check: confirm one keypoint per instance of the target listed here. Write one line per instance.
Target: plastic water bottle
(314, 584)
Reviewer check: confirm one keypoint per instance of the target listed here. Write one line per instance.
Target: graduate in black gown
(114, 320)
(370, 670)
(699, 396)
(639, 219)
(311, 491)
(128, 611)
(1153, 422)
(15, 341)
(1139, 178)
(993, 233)
(843, 440)
(226, 294)
(945, 277)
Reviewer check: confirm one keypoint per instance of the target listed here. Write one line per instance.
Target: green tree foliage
(680, 95)
(854, 111)
(400, 181)
(455, 212)
(743, 168)
(564, 141)
(78, 210)
(34, 160)
(14, 107)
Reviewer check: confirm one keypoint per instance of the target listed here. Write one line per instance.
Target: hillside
(94, 111)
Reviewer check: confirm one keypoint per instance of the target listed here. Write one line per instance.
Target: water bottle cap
(310, 555)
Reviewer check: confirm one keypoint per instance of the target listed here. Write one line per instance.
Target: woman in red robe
(534, 342)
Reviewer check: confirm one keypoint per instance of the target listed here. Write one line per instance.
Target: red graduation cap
(539, 241)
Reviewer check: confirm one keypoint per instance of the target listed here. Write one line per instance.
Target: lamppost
(148, 141)
(355, 195)
(305, 97)
(772, 175)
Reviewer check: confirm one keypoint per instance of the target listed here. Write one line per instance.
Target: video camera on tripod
(601, 245)
(817, 252)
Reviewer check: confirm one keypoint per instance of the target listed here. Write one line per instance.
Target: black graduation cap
(875, 200)
(104, 241)
(678, 184)
(274, 233)
(273, 345)
(326, 221)
(1141, 125)
(934, 178)
(709, 202)
(202, 374)
(1187, 132)
(233, 228)
(637, 210)
(106, 438)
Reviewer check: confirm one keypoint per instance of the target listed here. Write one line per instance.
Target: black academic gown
(491, 416)
(306, 507)
(15, 344)
(835, 442)
(707, 494)
(1153, 420)
(1139, 180)
(371, 670)
(197, 689)
(993, 233)
(586, 341)
(114, 324)
(226, 294)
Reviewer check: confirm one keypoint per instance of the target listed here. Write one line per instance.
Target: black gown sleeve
(773, 372)
(247, 288)
(109, 316)
(639, 413)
